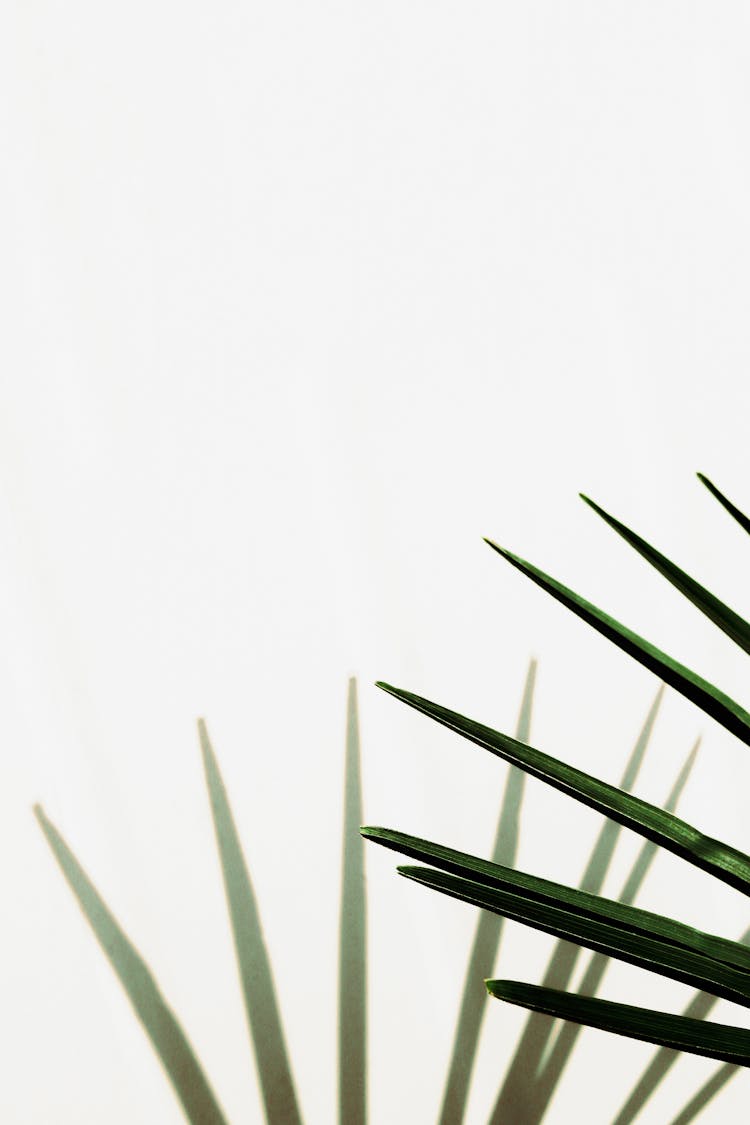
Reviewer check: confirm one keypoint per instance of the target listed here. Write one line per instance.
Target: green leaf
(588, 906)
(704, 694)
(733, 510)
(352, 937)
(720, 860)
(707, 1093)
(559, 1056)
(486, 936)
(161, 1025)
(698, 1037)
(520, 1094)
(656, 954)
(259, 991)
(728, 621)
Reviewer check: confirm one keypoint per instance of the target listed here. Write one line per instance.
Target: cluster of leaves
(715, 966)
(526, 1088)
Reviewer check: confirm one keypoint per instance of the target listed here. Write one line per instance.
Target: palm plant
(714, 965)
(280, 1100)
(717, 967)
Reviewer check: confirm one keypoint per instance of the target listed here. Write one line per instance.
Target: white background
(300, 300)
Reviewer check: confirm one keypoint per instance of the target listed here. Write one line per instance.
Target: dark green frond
(727, 620)
(733, 510)
(646, 951)
(699, 1037)
(720, 860)
(705, 695)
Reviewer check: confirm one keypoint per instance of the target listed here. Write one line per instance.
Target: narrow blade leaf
(720, 860)
(519, 1093)
(352, 937)
(727, 620)
(733, 510)
(259, 991)
(161, 1025)
(698, 1037)
(487, 935)
(705, 695)
(588, 906)
(657, 955)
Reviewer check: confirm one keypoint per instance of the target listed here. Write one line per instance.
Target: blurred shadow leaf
(563, 1046)
(664, 1059)
(161, 1025)
(487, 934)
(261, 1006)
(519, 1089)
(707, 1092)
(352, 937)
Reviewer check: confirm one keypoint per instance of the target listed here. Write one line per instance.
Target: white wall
(300, 301)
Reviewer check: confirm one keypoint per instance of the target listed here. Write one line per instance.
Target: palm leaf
(721, 860)
(519, 1092)
(545, 1085)
(259, 991)
(592, 907)
(657, 954)
(161, 1025)
(727, 620)
(733, 510)
(486, 936)
(705, 695)
(352, 937)
(698, 1037)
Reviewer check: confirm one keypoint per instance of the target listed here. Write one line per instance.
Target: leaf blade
(718, 859)
(653, 954)
(733, 510)
(589, 906)
(714, 609)
(705, 695)
(699, 1037)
